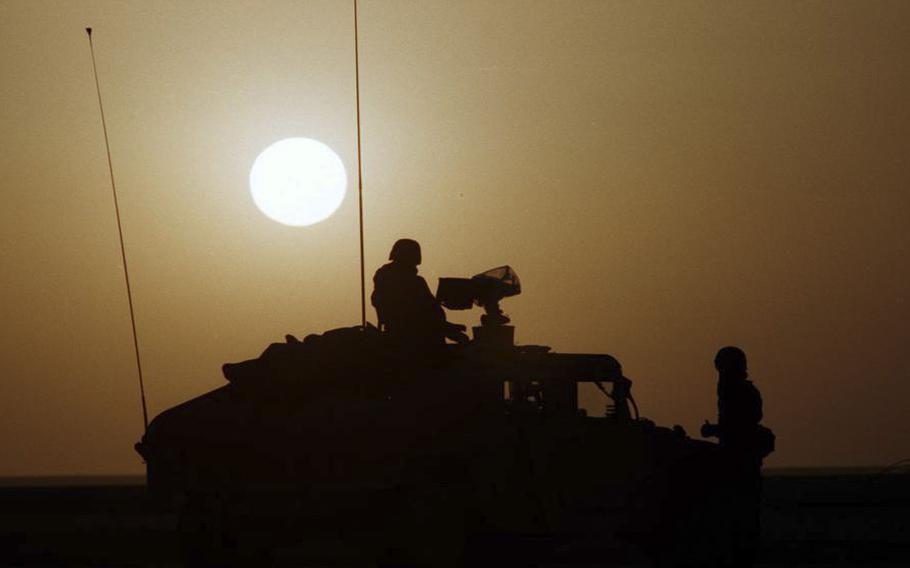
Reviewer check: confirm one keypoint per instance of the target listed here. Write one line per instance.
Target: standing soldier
(744, 443)
(739, 404)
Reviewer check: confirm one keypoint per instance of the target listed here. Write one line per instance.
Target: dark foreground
(809, 519)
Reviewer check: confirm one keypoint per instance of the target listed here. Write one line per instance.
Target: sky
(666, 178)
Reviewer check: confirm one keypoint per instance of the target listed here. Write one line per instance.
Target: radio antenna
(363, 289)
(126, 273)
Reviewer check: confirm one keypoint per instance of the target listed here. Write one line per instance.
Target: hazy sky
(666, 178)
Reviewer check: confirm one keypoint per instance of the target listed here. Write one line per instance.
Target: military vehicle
(343, 449)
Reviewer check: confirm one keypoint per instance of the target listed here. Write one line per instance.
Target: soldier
(744, 444)
(739, 404)
(406, 308)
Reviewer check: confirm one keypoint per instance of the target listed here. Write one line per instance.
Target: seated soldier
(406, 308)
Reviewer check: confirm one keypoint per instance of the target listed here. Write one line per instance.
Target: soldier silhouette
(739, 403)
(405, 307)
(744, 443)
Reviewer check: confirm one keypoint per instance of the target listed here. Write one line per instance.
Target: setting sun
(298, 181)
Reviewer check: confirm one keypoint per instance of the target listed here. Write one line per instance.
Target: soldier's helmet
(730, 360)
(406, 251)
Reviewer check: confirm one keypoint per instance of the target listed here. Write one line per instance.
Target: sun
(298, 182)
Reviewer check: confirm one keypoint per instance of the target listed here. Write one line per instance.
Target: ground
(809, 519)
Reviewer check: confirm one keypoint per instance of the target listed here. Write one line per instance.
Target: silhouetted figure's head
(406, 251)
(730, 361)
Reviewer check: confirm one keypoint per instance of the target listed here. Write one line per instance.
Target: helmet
(406, 251)
(730, 360)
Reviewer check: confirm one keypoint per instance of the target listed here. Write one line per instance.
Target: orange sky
(666, 178)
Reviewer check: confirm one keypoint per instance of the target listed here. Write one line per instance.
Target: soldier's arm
(427, 299)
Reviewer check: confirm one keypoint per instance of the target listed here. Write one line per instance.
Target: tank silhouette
(342, 449)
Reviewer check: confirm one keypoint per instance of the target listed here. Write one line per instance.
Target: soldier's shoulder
(384, 270)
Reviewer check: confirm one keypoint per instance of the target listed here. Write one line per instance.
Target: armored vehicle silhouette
(343, 449)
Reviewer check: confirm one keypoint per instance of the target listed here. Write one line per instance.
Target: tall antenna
(126, 273)
(363, 289)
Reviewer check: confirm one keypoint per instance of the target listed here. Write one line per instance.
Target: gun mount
(486, 290)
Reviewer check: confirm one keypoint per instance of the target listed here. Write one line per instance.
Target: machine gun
(485, 290)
